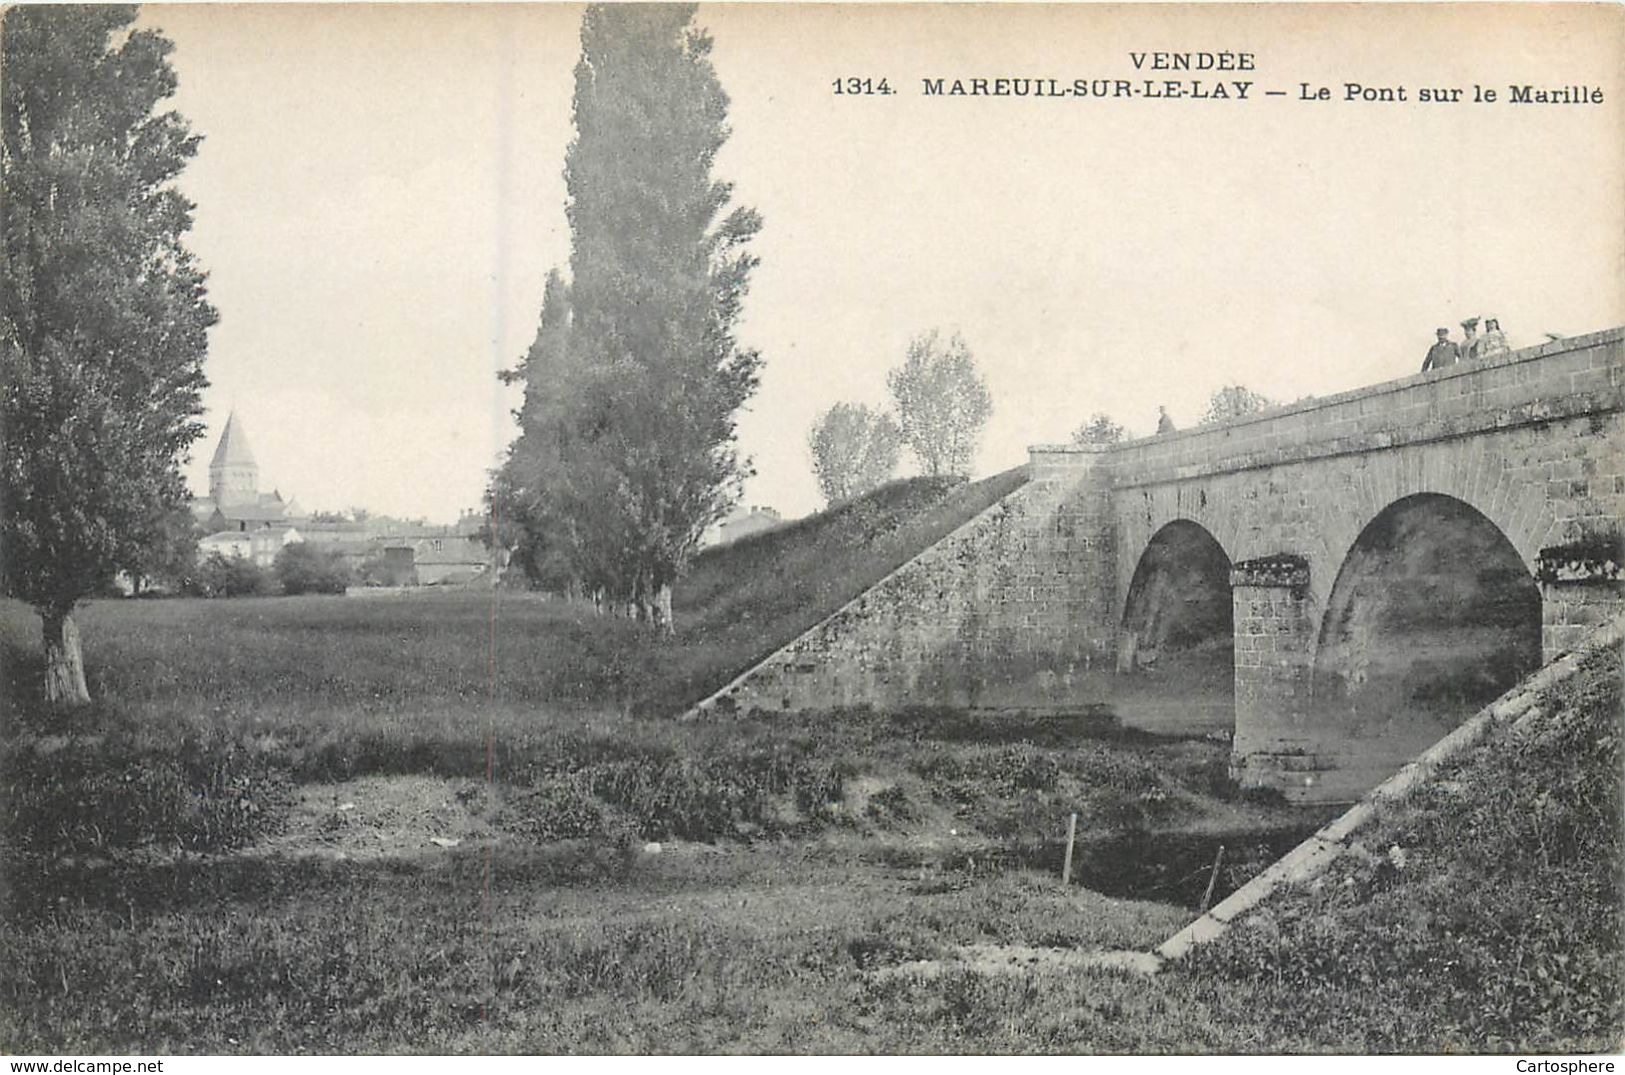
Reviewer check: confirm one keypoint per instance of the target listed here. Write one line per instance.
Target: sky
(380, 197)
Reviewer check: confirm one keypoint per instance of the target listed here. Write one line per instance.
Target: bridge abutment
(1014, 610)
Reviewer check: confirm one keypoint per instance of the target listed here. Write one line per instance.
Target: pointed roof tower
(232, 451)
(234, 477)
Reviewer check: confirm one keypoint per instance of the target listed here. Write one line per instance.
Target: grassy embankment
(1483, 914)
(210, 858)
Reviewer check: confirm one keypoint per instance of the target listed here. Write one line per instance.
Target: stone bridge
(1335, 583)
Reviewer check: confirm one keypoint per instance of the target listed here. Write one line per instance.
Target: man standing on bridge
(1444, 352)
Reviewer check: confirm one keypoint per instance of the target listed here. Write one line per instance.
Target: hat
(1471, 322)
(1441, 332)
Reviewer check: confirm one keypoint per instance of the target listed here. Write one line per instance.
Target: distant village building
(453, 555)
(438, 560)
(260, 546)
(235, 501)
(240, 521)
(355, 541)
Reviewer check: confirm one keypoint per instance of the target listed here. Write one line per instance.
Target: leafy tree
(631, 455)
(170, 556)
(304, 568)
(1234, 401)
(1099, 429)
(103, 317)
(528, 491)
(942, 403)
(219, 575)
(854, 449)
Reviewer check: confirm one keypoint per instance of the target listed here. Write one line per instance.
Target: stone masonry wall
(1005, 611)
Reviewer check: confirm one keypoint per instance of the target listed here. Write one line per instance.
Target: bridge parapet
(1560, 379)
(1064, 462)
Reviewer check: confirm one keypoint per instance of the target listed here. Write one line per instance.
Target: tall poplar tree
(526, 491)
(655, 376)
(103, 317)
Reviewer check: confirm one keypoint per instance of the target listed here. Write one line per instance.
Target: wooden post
(1071, 834)
(1212, 879)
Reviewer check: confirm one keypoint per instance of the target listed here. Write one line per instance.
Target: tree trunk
(639, 603)
(660, 611)
(64, 663)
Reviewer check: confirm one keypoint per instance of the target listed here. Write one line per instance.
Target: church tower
(234, 477)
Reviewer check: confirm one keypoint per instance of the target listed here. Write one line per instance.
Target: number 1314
(862, 86)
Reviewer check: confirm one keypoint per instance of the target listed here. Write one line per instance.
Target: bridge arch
(1433, 613)
(1464, 470)
(1177, 629)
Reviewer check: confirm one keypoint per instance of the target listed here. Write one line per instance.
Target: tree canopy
(942, 403)
(305, 568)
(854, 449)
(1099, 429)
(1234, 401)
(626, 452)
(103, 316)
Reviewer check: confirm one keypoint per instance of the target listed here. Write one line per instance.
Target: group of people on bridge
(1447, 352)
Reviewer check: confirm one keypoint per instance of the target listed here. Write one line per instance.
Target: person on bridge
(1164, 423)
(1444, 352)
(1495, 341)
(1470, 343)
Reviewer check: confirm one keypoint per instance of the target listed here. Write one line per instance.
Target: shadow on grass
(34, 890)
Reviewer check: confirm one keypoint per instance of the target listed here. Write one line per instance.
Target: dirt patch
(385, 817)
(1024, 959)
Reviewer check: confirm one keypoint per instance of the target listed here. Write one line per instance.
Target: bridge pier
(1275, 624)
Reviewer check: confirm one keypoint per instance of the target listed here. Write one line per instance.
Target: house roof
(252, 513)
(232, 451)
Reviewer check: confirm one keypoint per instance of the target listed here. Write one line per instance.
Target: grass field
(219, 834)
(457, 822)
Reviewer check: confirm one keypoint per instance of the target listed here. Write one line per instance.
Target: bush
(81, 795)
(304, 568)
(218, 575)
(377, 570)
